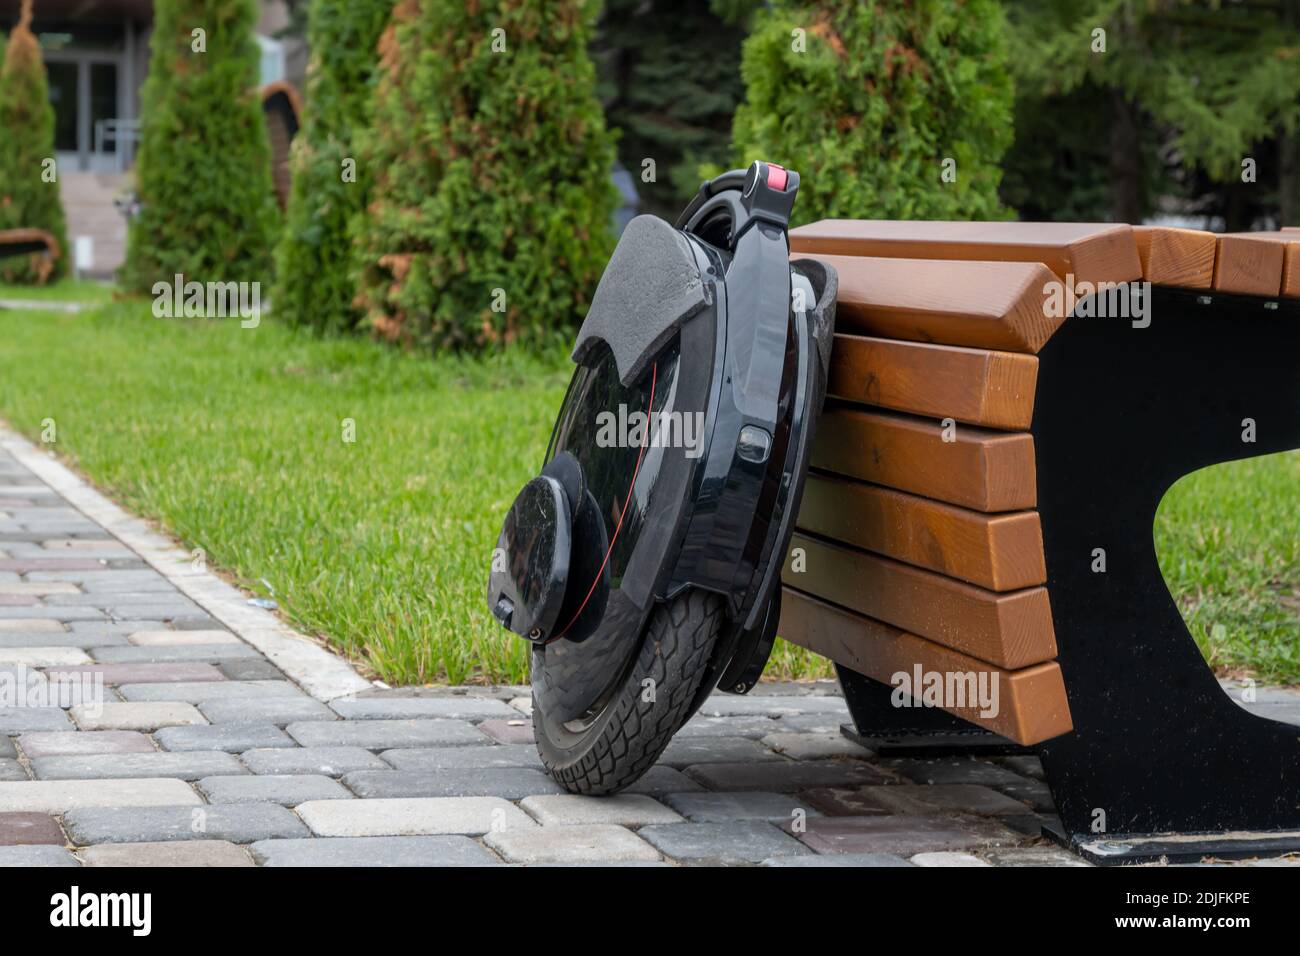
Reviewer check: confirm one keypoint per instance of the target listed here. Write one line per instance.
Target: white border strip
(319, 672)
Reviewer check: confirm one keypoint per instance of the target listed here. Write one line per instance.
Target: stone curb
(319, 672)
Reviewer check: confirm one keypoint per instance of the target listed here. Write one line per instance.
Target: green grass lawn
(65, 290)
(233, 439)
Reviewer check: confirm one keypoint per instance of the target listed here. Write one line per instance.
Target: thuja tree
(207, 211)
(29, 188)
(314, 258)
(888, 110)
(489, 216)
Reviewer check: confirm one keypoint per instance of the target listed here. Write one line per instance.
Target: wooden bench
(985, 447)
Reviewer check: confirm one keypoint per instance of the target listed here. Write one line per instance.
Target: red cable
(654, 375)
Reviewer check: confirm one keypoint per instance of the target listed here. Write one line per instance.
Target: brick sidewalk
(176, 742)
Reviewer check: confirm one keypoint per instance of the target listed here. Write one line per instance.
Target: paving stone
(58, 796)
(513, 731)
(29, 624)
(1033, 856)
(42, 656)
(29, 856)
(204, 853)
(329, 761)
(432, 816)
(275, 710)
(624, 809)
(146, 716)
(373, 851)
(952, 770)
(11, 770)
(727, 807)
(904, 836)
(812, 723)
(286, 790)
(783, 776)
(511, 783)
(184, 766)
(25, 829)
(658, 781)
(238, 823)
(16, 720)
(69, 742)
(1025, 765)
(687, 752)
(946, 858)
(815, 746)
(732, 705)
(939, 799)
(570, 844)
(216, 654)
(384, 734)
(115, 674)
(744, 841)
(399, 708)
(21, 639)
(200, 692)
(464, 758)
(170, 638)
(232, 738)
(7, 750)
(869, 860)
(24, 617)
(38, 588)
(250, 669)
(1034, 793)
(755, 728)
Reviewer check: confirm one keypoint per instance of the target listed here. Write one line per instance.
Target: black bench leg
(1121, 414)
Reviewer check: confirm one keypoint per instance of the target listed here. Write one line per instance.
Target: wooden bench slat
(1249, 264)
(1177, 257)
(1032, 706)
(982, 469)
(981, 387)
(16, 242)
(1092, 252)
(1289, 240)
(993, 305)
(999, 552)
(1012, 629)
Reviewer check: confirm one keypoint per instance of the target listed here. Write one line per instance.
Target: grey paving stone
(14, 614)
(658, 781)
(502, 692)
(812, 723)
(17, 639)
(232, 738)
(26, 829)
(731, 705)
(115, 674)
(28, 856)
(727, 807)
(59, 796)
(870, 860)
(286, 790)
(784, 777)
(464, 758)
(747, 841)
(275, 710)
(17, 720)
(430, 816)
(328, 761)
(183, 766)
(385, 734)
(148, 716)
(251, 669)
(63, 743)
(903, 835)
(815, 746)
(754, 728)
(203, 853)
(108, 629)
(202, 691)
(11, 770)
(952, 770)
(570, 844)
(624, 810)
(1025, 765)
(1034, 793)
(405, 708)
(1033, 856)
(238, 823)
(373, 851)
(516, 730)
(174, 653)
(938, 799)
(687, 752)
(511, 783)
(7, 750)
